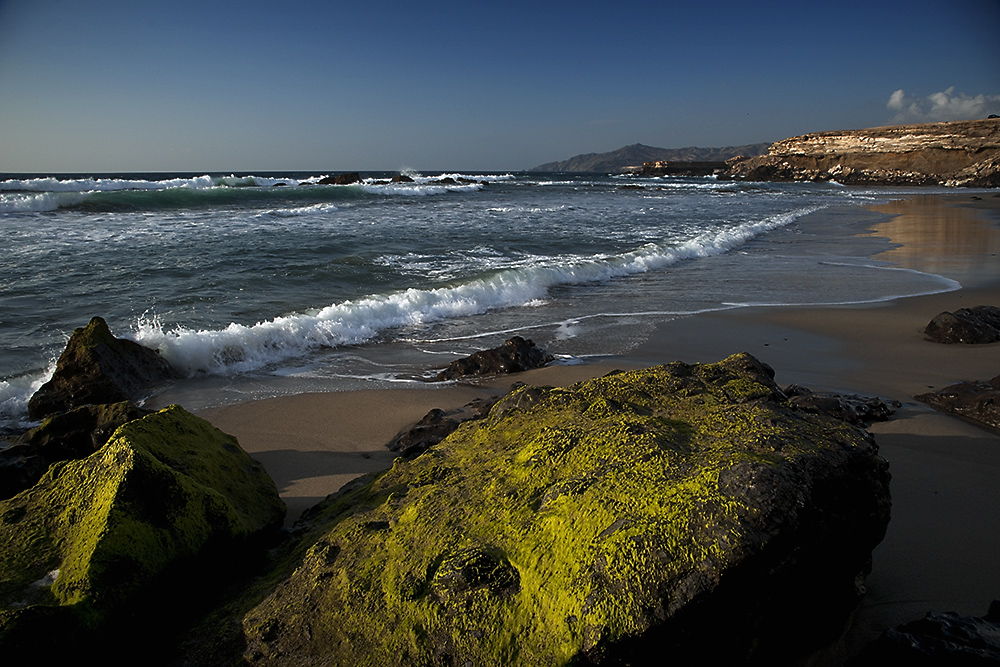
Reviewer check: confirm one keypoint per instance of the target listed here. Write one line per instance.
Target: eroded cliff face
(959, 153)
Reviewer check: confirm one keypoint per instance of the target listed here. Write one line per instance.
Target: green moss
(93, 532)
(567, 518)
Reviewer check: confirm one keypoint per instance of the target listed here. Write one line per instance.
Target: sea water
(277, 281)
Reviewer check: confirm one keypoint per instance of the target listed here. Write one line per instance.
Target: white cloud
(945, 105)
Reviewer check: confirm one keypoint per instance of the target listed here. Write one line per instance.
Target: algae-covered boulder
(678, 511)
(98, 368)
(66, 435)
(93, 534)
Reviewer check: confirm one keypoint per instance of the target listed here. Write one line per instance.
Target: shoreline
(939, 550)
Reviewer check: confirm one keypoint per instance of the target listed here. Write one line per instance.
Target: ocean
(268, 283)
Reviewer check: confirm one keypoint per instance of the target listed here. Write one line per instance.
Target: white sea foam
(241, 348)
(417, 190)
(51, 184)
(40, 202)
(15, 393)
(297, 211)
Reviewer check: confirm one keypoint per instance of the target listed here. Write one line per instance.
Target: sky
(244, 86)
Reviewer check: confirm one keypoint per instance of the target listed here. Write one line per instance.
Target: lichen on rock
(611, 520)
(95, 532)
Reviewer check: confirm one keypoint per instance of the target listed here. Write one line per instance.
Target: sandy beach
(941, 550)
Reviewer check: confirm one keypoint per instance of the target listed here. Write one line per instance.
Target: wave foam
(239, 348)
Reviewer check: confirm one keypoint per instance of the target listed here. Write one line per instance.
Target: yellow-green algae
(93, 531)
(568, 518)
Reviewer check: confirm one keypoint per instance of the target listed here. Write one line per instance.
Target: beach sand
(942, 548)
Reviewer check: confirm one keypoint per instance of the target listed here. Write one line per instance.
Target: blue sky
(103, 85)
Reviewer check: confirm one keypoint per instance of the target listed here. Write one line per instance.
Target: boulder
(852, 408)
(98, 368)
(683, 511)
(341, 179)
(401, 178)
(434, 427)
(979, 324)
(67, 435)
(940, 638)
(167, 499)
(514, 356)
(976, 400)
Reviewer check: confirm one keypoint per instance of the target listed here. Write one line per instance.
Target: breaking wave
(240, 348)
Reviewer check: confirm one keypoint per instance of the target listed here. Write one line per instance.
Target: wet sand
(942, 548)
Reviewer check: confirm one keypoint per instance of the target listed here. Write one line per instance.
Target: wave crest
(239, 348)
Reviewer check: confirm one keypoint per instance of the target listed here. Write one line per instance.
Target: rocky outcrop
(979, 324)
(514, 356)
(675, 168)
(940, 638)
(960, 153)
(627, 158)
(70, 435)
(977, 400)
(81, 549)
(852, 408)
(434, 427)
(683, 510)
(341, 179)
(98, 368)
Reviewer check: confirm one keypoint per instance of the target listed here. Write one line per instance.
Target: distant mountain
(636, 154)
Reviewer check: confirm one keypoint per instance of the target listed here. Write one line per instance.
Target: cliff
(637, 154)
(959, 153)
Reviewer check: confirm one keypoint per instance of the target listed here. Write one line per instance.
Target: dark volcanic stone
(95, 368)
(69, 435)
(514, 356)
(401, 178)
(980, 324)
(979, 400)
(432, 429)
(851, 408)
(940, 638)
(341, 179)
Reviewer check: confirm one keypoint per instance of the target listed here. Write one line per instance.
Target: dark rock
(681, 511)
(666, 168)
(98, 368)
(447, 180)
(401, 178)
(514, 356)
(128, 535)
(75, 434)
(940, 638)
(854, 409)
(979, 324)
(978, 400)
(341, 179)
(432, 429)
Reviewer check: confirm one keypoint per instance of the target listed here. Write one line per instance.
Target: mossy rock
(97, 368)
(94, 533)
(65, 435)
(675, 510)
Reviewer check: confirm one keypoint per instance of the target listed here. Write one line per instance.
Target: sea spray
(239, 348)
(272, 275)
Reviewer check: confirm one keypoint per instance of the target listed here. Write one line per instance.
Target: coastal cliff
(959, 153)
